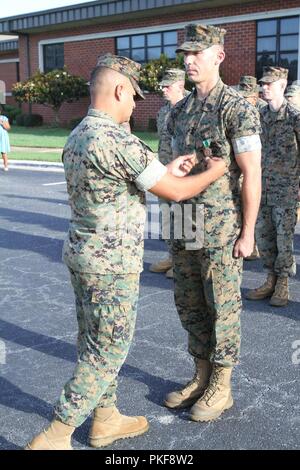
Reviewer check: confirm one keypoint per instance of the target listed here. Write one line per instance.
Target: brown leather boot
(280, 298)
(193, 389)
(264, 291)
(109, 425)
(217, 397)
(162, 266)
(56, 437)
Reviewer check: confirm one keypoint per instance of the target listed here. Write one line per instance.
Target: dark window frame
(278, 35)
(146, 47)
(57, 58)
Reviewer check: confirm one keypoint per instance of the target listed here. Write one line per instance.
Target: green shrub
(11, 112)
(20, 120)
(153, 71)
(53, 89)
(33, 120)
(29, 120)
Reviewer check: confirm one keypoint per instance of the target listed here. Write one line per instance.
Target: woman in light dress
(4, 140)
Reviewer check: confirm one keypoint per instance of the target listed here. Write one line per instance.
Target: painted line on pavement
(53, 184)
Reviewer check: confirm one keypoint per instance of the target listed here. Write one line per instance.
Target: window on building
(145, 47)
(277, 44)
(53, 57)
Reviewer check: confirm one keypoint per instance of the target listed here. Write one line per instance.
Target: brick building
(258, 33)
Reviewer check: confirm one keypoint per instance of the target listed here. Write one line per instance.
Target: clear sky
(18, 7)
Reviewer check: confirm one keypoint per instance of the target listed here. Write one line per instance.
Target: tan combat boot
(109, 425)
(217, 397)
(170, 274)
(56, 437)
(193, 389)
(264, 291)
(280, 297)
(162, 266)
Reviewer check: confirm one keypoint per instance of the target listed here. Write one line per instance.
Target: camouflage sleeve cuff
(249, 143)
(151, 175)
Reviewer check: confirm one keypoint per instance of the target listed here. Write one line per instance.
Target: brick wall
(146, 109)
(80, 57)
(8, 73)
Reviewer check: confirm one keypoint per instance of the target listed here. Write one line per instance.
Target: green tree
(153, 71)
(51, 89)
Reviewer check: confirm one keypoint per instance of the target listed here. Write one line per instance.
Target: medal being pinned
(206, 148)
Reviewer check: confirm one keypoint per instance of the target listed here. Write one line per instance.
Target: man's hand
(181, 166)
(243, 246)
(216, 163)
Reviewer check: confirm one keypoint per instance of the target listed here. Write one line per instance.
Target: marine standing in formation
(214, 120)
(292, 95)
(249, 89)
(280, 183)
(172, 85)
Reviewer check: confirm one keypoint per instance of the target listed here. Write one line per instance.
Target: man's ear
(119, 90)
(220, 56)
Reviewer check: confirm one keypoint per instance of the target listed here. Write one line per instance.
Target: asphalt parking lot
(38, 337)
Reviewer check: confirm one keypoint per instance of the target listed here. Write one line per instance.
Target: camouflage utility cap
(172, 76)
(125, 66)
(293, 90)
(248, 86)
(199, 37)
(272, 74)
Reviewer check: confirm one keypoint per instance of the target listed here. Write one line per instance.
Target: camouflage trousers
(275, 228)
(208, 301)
(106, 315)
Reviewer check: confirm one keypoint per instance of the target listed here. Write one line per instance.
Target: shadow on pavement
(158, 387)
(48, 221)
(12, 240)
(6, 445)
(290, 311)
(13, 397)
(37, 341)
(158, 280)
(42, 199)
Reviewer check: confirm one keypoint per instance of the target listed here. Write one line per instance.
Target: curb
(37, 149)
(35, 165)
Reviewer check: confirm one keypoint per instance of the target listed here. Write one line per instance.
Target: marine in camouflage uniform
(249, 89)
(280, 184)
(292, 95)
(107, 172)
(171, 77)
(207, 276)
(172, 85)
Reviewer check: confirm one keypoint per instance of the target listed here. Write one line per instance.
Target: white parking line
(53, 184)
